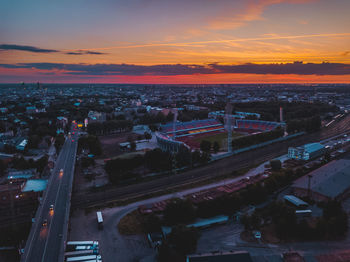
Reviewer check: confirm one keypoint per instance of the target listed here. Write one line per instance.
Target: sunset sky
(168, 41)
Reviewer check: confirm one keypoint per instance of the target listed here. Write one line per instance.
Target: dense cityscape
(166, 171)
(175, 131)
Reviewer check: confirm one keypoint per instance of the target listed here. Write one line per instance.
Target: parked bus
(303, 213)
(81, 252)
(82, 243)
(99, 219)
(84, 258)
(85, 247)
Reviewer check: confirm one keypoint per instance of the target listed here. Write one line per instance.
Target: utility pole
(228, 123)
(309, 186)
(174, 138)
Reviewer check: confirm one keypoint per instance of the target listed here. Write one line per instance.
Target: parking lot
(114, 247)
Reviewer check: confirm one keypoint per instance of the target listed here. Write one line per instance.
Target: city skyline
(204, 42)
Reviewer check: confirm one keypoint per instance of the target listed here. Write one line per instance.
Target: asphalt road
(217, 168)
(45, 243)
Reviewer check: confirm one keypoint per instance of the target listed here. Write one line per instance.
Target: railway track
(212, 170)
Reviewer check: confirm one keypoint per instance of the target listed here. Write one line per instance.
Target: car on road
(61, 172)
(257, 234)
(51, 207)
(45, 223)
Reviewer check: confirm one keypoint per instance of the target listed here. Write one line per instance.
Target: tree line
(156, 160)
(331, 225)
(91, 143)
(21, 164)
(109, 127)
(311, 124)
(246, 141)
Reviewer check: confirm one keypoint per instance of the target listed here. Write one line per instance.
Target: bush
(108, 127)
(59, 141)
(120, 169)
(216, 147)
(256, 139)
(91, 143)
(179, 212)
(184, 239)
(87, 161)
(158, 160)
(276, 164)
(205, 146)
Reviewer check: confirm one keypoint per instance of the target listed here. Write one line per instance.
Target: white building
(306, 152)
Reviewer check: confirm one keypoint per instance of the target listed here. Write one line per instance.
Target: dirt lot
(110, 143)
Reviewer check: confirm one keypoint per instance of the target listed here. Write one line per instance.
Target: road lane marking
(57, 194)
(41, 206)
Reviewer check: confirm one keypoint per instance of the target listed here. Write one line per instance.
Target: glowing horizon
(182, 42)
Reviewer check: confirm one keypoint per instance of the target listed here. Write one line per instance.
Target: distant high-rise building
(281, 114)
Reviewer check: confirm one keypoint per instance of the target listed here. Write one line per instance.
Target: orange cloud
(252, 12)
(196, 43)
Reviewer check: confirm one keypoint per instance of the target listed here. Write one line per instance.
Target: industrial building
(331, 181)
(297, 202)
(232, 256)
(306, 152)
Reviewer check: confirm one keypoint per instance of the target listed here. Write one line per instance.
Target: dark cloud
(117, 69)
(298, 68)
(27, 48)
(84, 52)
(7, 47)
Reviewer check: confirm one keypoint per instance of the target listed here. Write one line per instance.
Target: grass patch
(221, 138)
(129, 155)
(131, 224)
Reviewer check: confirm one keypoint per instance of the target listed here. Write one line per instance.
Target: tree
(276, 164)
(59, 142)
(3, 167)
(183, 157)
(327, 156)
(41, 163)
(205, 146)
(196, 157)
(184, 239)
(152, 127)
(33, 141)
(132, 146)
(168, 254)
(205, 157)
(179, 211)
(157, 160)
(87, 161)
(152, 223)
(91, 143)
(216, 147)
(148, 136)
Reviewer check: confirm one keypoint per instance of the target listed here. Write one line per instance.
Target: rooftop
(238, 256)
(35, 185)
(312, 147)
(296, 201)
(330, 180)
